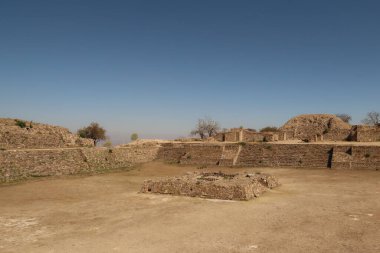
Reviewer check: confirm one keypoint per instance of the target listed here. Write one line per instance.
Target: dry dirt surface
(312, 211)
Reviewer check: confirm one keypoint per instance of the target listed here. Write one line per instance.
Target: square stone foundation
(213, 185)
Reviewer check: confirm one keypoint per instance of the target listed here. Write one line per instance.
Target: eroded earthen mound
(213, 185)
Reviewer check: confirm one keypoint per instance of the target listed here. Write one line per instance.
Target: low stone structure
(245, 135)
(48, 151)
(307, 128)
(365, 133)
(22, 164)
(213, 185)
(37, 135)
(308, 155)
(315, 127)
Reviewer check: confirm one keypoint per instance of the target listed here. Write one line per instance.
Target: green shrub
(134, 136)
(367, 155)
(269, 129)
(107, 144)
(20, 123)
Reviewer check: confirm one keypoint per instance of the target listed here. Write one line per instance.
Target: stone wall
(308, 128)
(315, 127)
(25, 163)
(347, 157)
(245, 135)
(336, 135)
(272, 155)
(21, 164)
(368, 133)
(232, 136)
(36, 135)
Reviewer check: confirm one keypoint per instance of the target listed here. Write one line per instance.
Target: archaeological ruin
(322, 141)
(307, 128)
(213, 185)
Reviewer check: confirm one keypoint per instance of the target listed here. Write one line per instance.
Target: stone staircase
(230, 155)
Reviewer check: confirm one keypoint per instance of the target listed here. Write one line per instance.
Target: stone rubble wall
(228, 155)
(284, 155)
(21, 164)
(368, 133)
(314, 127)
(25, 163)
(346, 157)
(272, 155)
(36, 135)
(245, 135)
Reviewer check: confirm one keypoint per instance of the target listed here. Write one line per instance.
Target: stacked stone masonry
(25, 163)
(21, 164)
(36, 135)
(272, 155)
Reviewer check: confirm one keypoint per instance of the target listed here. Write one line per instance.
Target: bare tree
(206, 127)
(373, 118)
(93, 131)
(345, 117)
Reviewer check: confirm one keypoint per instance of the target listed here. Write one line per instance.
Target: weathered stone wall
(356, 157)
(336, 135)
(272, 155)
(368, 133)
(245, 135)
(25, 163)
(36, 135)
(20, 164)
(232, 136)
(315, 127)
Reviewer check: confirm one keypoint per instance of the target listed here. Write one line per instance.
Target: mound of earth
(307, 126)
(241, 186)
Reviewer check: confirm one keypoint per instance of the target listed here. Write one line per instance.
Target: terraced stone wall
(36, 135)
(25, 163)
(273, 155)
(21, 164)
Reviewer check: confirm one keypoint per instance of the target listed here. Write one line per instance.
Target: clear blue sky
(154, 67)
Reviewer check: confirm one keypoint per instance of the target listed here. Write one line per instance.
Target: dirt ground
(312, 211)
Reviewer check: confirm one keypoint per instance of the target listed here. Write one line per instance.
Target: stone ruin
(327, 127)
(36, 135)
(315, 127)
(245, 135)
(213, 185)
(307, 128)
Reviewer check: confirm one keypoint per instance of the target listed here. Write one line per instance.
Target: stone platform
(213, 185)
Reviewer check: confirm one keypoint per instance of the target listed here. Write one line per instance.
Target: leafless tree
(345, 117)
(206, 127)
(373, 118)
